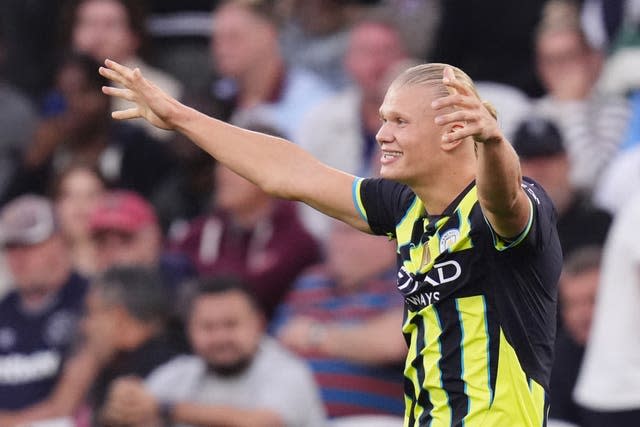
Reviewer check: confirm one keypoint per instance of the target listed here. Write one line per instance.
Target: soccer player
(479, 253)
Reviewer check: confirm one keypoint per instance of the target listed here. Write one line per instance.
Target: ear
(451, 145)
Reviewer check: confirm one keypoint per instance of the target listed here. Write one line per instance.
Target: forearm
(223, 416)
(271, 163)
(500, 194)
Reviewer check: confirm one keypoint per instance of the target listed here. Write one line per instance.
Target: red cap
(122, 210)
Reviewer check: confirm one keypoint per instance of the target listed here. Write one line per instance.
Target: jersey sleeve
(541, 226)
(381, 203)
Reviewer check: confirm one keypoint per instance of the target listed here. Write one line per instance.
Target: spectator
(341, 130)
(38, 318)
(115, 29)
(620, 178)
(539, 144)
(252, 235)
(609, 379)
(237, 376)
(577, 291)
(592, 124)
(84, 131)
(343, 317)
(76, 192)
(253, 74)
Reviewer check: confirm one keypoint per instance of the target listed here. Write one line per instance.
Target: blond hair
(431, 75)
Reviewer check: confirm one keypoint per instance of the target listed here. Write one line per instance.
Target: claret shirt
(480, 310)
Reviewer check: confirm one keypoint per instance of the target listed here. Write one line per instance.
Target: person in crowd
(577, 294)
(343, 316)
(250, 234)
(115, 29)
(341, 130)
(609, 380)
(83, 132)
(237, 376)
(39, 317)
(127, 307)
(76, 191)
(253, 74)
(540, 145)
(479, 254)
(592, 124)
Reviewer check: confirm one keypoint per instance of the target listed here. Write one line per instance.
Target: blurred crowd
(142, 284)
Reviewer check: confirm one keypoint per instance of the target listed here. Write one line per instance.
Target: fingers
(454, 101)
(119, 92)
(131, 113)
(112, 75)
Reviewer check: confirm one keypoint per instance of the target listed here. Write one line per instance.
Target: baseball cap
(537, 137)
(122, 210)
(27, 220)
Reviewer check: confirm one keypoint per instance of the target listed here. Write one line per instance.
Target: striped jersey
(480, 310)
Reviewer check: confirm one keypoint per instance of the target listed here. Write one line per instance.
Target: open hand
(152, 103)
(468, 110)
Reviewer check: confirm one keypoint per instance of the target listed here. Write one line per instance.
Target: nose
(384, 134)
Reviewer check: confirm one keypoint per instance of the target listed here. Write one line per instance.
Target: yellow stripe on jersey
(518, 401)
(475, 358)
(432, 353)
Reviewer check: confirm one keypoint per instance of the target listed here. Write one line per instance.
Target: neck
(437, 194)
(258, 83)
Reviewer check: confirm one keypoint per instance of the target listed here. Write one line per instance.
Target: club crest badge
(448, 239)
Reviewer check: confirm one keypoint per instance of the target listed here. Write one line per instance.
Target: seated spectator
(540, 146)
(343, 317)
(609, 381)
(38, 318)
(116, 29)
(84, 131)
(252, 235)
(592, 124)
(124, 327)
(577, 294)
(252, 72)
(237, 377)
(76, 192)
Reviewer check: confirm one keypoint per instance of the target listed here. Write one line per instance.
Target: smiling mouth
(391, 154)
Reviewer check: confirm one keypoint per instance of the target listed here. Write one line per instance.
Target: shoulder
(177, 368)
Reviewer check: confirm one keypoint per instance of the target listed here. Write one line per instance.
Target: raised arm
(277, 166)
(498, 177)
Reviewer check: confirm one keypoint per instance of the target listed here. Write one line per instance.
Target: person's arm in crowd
(129, 403)
(279, 167)
(498, 179)
(376, 341)
(69, 393)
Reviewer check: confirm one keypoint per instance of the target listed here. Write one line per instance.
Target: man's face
(32, 266)
(240, 40)
(225, 329)
(102, 30)
(373, 50)
(115, 247)
(577, 297)
(408, 137)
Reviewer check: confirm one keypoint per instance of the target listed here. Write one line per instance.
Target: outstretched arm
(498, 176)
(278, 167)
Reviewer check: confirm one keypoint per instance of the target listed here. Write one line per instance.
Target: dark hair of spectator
(61, 175)
(217, 285)
(141, 291)
(136, 15)
(87, 65)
